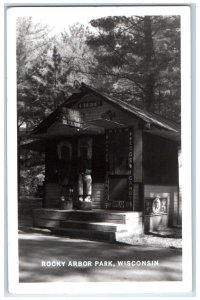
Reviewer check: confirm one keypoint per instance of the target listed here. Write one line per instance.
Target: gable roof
(147, 117)
(144, 116)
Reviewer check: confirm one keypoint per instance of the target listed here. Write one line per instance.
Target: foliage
(77, 55)
(31, 165)
(32, 47)
(140, 58)
(47, 68)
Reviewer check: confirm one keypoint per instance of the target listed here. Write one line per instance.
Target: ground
(170, 237)
(38, 248)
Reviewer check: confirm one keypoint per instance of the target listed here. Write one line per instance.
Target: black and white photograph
(100, 187)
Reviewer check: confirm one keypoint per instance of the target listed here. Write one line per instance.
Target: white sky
(61, 17)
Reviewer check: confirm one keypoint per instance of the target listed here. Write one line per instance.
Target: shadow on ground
(37, 246)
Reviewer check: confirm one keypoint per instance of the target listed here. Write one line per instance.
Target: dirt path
(46, 258)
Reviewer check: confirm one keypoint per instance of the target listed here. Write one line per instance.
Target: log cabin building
(111, 169)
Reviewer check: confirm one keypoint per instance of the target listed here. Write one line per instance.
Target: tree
(77, 56)
(53, 87)
(32, 47)
(137, 55)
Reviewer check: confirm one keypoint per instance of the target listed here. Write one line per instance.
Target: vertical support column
(131, 168)
(107, 203)
(138, 150)
(138, 170)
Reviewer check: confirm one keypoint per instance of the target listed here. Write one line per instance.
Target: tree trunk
(148, 59)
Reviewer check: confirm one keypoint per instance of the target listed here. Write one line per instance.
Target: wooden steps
(98, 226)
(98, 216)
(108, 236)
(93, 225)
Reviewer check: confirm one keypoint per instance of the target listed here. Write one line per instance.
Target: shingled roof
(146, 117)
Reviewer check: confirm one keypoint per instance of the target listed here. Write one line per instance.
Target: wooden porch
(98, 224)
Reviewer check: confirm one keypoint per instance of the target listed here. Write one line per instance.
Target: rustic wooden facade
(134, 157)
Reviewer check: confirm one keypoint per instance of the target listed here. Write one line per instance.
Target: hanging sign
(89, 104)
(72, 117)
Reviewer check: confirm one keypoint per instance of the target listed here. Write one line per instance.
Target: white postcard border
(105, 287)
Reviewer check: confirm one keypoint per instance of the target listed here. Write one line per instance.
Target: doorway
(119, 174)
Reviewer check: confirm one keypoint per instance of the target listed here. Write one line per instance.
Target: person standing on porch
(85, 171)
